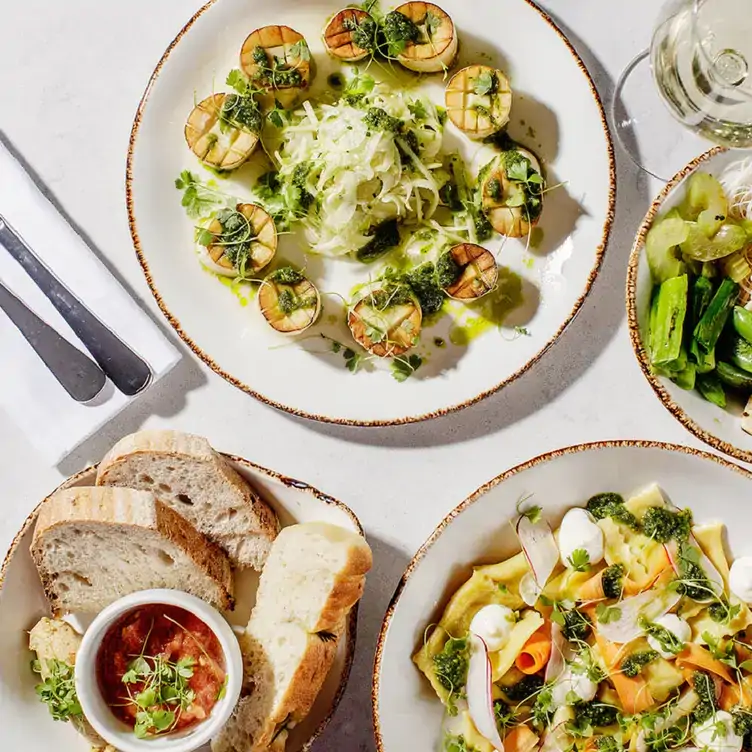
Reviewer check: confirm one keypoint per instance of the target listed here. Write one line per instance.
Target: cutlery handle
(78, 374)
(127, 371)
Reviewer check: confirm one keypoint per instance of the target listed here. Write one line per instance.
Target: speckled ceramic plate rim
(484, 489)
(209, 361)
(352, 623)
(634, 328)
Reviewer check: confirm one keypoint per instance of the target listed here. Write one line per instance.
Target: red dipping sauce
(173, 667)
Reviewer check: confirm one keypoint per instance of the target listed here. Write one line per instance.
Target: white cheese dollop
(572, 687)
(579, 531)
(493, 624)
(677, 626)
(717, 734)
(740, 578)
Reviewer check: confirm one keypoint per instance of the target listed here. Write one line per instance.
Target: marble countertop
(72, 74)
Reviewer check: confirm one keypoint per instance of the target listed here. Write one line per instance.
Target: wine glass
(697, 72)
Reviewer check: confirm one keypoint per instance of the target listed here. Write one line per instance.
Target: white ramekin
(100, 716)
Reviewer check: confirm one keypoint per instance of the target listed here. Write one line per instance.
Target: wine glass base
(655, 141)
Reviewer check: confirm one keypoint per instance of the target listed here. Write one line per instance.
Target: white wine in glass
(700, 58)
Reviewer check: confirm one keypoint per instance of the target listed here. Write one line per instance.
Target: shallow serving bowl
(27, 723)
(557, 112)
(719, 428)
(407, 713)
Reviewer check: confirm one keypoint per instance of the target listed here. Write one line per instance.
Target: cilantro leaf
(300, 50)
(404, 368)
(579, 560)
(237, 80)
(485, 83)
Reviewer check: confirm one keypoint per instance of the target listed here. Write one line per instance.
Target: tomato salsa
(160, 669)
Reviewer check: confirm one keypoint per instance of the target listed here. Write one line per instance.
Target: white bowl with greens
(688, 299)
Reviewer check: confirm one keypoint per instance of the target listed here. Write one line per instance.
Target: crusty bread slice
(92, 546)
(314, 575)
(185, 473)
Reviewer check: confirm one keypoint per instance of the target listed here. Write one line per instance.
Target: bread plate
(407, 712)
(26, 721)
(471, 350)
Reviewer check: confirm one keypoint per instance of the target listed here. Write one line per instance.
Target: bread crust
(177, 445)
(256, 727)
(139, 510)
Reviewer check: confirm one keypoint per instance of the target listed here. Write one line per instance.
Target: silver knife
(128, 371)
(77, 373)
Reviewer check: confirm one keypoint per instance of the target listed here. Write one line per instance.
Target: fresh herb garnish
(448, 270)
(162, 691)
(398, 30)
(579, 560)
(612, 579)
(58, 690)
(364, 32)
(612, 505)
(633, 664)
(277, 73)
(381, 120)
(198, 199)
(668, 641)
(450, 667)
(404, 367)
(286, 275)
(486, 83)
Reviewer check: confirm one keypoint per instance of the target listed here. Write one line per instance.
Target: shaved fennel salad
(360, 172)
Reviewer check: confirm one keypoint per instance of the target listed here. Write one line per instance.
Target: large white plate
(715, 426)
(557, 112)
(407, 713)
(26, 722)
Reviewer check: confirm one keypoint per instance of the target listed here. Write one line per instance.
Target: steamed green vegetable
(668, 324)
(734, 376)
(743, 322)
(716, 315)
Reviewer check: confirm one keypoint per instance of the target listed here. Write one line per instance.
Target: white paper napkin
(29, 393)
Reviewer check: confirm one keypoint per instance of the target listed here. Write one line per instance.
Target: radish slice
(672, 551)
(556, 740)
(539, 547)
(555, 665)
(651, 604)
(479, 693)
(529, 590)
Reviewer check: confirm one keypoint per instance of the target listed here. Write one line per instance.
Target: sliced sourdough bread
(92, 546)
(314, 575)
(185, 473)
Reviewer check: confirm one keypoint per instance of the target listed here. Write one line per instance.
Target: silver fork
(78, 374)
(128, 371)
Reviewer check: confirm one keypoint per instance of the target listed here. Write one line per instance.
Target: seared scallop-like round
(289, 301)
(342, 31)
(224, 148)
(474, 270)
(386, 321)
(248, 227)
(479, 100)
(277, 60)
(505, 198)
(436, 47)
